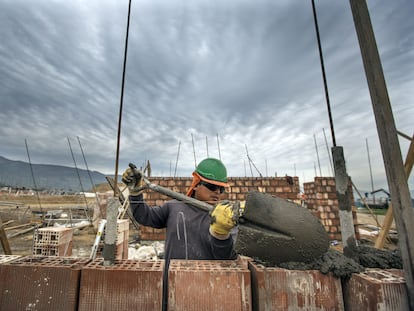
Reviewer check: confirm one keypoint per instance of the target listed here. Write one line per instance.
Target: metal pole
(176, 161)
(90, 177)
(121, 102)
(370, 171)
(195, 160)
(317, 155)
(80, 181)
(329, 154)
(207, 147)
(109, 246)
(218, 146)
(341, 176)
(323, 73)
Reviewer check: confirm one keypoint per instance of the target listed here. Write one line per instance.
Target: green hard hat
(212, 169)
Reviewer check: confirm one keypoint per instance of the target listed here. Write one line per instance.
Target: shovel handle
(178, 196)
(172, 194)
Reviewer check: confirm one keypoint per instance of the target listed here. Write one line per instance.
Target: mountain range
(19, 174)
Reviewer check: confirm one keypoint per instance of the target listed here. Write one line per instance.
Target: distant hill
(18, 174)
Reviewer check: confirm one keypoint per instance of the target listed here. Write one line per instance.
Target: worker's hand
(133, 178)
(224, 217)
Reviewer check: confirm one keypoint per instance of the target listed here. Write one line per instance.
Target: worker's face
(209, 193)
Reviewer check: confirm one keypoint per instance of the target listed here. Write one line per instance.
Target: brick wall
(321, 200)
(320, 197)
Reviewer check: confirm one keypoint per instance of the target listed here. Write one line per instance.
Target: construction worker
(191, 233)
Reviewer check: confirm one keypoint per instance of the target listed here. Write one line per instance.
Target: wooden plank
(385, 228)
(4, 241)
(2, 225)
(389, 217)
(387, 132)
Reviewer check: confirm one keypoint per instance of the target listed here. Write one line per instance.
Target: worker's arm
(145, 215)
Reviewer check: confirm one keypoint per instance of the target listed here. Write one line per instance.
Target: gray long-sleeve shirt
(187, 234)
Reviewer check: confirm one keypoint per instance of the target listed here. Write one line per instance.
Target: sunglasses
(212, 187)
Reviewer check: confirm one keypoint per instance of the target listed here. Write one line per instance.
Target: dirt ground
(21, 215)
(19, 219)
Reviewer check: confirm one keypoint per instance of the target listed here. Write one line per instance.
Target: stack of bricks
(321, 200)
(53, 241)
(284, 187)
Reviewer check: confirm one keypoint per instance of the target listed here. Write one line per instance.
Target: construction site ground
(19, 215)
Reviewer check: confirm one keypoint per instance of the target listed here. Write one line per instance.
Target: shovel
(271, 230)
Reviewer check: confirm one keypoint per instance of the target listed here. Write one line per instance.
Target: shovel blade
(274, 230)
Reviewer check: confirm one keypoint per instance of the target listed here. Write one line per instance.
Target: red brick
(125, 285)
(376, 289)
(275, 289)
(53, 235)
(40, 283)
(209, 285)
(63, 250)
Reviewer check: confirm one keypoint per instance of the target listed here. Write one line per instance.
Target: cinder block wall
(320, 197)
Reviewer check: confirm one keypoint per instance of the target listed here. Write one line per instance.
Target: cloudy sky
(233, 79)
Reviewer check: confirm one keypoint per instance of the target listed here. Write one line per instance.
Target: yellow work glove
(133, 178)
(224, 217)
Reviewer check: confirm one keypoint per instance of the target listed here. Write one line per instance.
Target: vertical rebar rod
(329, 154)
(194, 153)
(86, 165)
(325, 84)
(317, 155)
(121, 103)
(34, 180)
(207, 147)
(370, 170)
(248, 158)
(176, 161)
(80, 180)
(218, 146)
(90, 176)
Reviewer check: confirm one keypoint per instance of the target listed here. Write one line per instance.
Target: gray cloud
(231, 73)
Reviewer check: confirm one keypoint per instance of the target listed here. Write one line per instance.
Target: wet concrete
(275, 230)
(342, 266)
